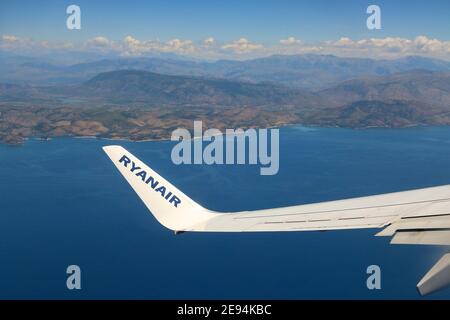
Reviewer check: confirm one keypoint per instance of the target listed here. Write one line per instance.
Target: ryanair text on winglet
(151, 181)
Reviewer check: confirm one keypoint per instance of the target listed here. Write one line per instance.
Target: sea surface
(62, 203)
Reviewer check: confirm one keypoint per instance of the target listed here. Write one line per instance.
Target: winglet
(171, 207)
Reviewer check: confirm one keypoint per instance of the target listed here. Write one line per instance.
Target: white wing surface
(410, 217)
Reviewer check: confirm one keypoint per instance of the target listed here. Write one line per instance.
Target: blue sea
(62, 203)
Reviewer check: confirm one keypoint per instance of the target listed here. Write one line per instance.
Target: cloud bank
(242, 48)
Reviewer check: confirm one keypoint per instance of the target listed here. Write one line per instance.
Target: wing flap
(430, 237)
(416, 223)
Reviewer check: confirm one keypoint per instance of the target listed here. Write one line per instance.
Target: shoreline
(23, 140)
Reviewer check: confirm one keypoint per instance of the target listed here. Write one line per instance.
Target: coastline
(312, 126)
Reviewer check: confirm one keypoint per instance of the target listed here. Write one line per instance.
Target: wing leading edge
(419, 216)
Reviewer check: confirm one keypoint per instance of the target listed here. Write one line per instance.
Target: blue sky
(264, 22)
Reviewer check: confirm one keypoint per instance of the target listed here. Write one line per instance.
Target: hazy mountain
(149, 89)
(374, 113)
(132, 86)
(144, 88)
(312, 71)
(41, 71)
(145, 105)
(428, 87)
(309, 71)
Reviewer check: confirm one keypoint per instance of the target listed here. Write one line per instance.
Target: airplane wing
(424, 209)
(410, 217)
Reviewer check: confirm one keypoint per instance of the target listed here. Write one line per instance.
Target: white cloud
(392, 47)
(209, 41)
(30, 46)
(241, 46)
(290, 41)
(9, 38)
(133, 46)
(10, 42)
(344, 41)
(100, 42)
(129, 40)
(431, 45)
(179, 46)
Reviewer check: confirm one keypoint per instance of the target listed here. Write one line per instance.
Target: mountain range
(148, 89)
(309, 71)
(360, 93)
